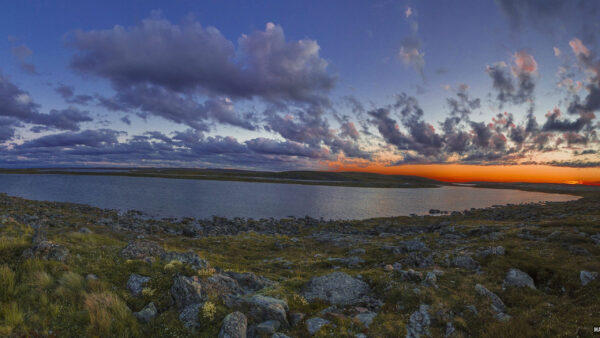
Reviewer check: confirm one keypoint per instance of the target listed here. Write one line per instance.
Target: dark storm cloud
(555, 123)
(91, 138)
(268, 146)
(157, 62)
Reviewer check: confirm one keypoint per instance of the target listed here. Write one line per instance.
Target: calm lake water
(161, 197)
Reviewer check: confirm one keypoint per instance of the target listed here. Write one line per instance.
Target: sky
(456, 90)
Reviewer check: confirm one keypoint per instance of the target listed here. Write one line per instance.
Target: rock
(250, 282)
(141, 250)
(260, 308)
(147, 313)
(406, 247)
(465, 262)
(337, 288)
(91, 277)
(189, 315)
(267, 327)
(496, 303)
(397, 266)
(576, 250)
(221, 284)
(430, 279)
(366, 318)
(357, 251)
(85, 231)
(234, 326)
(313, 325)
(135, 284)
(449, 329)
(189, 257)
(418, 260)
(411, 275)
(419, 323)
(187, 291)
(279, 335)
(47, 250)
(587, 276)
(350, 262)
(491, 251)
(518, 278)
(388, 268)
(296, 318)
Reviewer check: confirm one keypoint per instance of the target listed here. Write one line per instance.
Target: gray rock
(366, 318)
(430, 279)
(147, 313)
(187, 291)
(85, 230)
(47, 250)
(280, 335)
(449, 329)
(496, 303)
(223, 285)
(141, 250)
(267, 327)
(411, 275)
(350, 262)
(418, 260)
(397, 266)
(234, 325)
(357, 251)
(261, 308)
(491, 251)
(336, 288)
(296, 318)
(587, 276)
(189, 257)
(465, 262)
(135, 283)
(313, 325)
(189, 315)
(419, 323)
(518, 278)
(91, 277)
(249, 282)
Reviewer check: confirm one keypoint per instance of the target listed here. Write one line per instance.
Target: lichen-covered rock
(189, 315)
(141, 249)
(366, 318)
(418, 260)
(419, 323)
(135, 283)
(234, 326)
(336, 288)
(465, 262)
(44, 249)
(518, 278)
(268, 327)
(147, 313)
(187, 291)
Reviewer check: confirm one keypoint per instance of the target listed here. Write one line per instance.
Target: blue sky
(333, 53)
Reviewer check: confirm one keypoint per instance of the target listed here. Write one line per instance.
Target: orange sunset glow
(491, 173)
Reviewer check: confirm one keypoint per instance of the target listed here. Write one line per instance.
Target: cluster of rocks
(45, 249)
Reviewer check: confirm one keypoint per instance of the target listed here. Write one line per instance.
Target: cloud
(157, 62)
(17, 105)
(411, 55)
(516, 86)
(22, 53)
(556, 51)
(68, 94)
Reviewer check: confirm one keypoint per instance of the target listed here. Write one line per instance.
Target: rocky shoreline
(509, 270)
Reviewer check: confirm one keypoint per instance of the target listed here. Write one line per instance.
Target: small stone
(85, 231)
(91, 277)
(357, 251)
(141, 249)
(296, 318)
(313, 325)
(147, 313)
(366, 318)
(388, 268)
(587, 276)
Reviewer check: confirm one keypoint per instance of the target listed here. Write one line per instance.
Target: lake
(163, 197)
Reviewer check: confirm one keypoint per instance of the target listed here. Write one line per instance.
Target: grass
(39, 297)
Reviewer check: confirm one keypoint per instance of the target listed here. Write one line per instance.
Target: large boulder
(234, 326)
(518, 278)
(189, 315)
(337, 288)
(187, 291)
(141, 249)
(260, 308)
(135, 284)
(419, 323)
